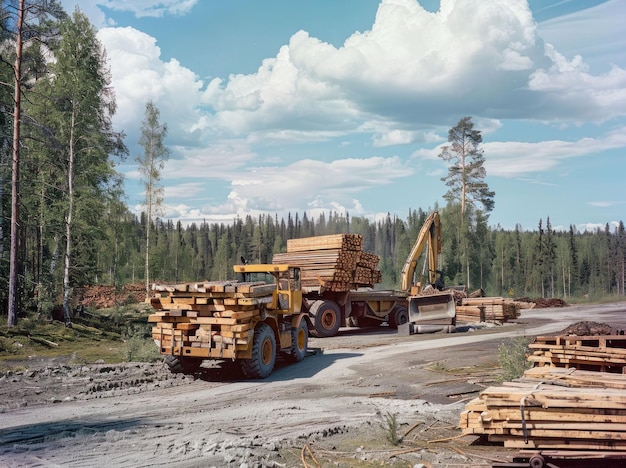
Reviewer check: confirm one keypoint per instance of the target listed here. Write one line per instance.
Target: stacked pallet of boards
(214, 319)
(335, 262)
(573, 399)
(489, 309)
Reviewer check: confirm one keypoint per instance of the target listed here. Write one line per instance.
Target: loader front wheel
(261, 364)
(326, 318)
(299, 341)
(182, 365)
(398, 316)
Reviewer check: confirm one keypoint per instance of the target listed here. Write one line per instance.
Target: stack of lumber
(488, 309)
(548, 416)
(603, 353)
(556, 407)
(335, 262)
(214, 318)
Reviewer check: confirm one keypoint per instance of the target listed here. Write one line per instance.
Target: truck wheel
(299, 341)
(263, 353)
(183, 365)
(398, 316)
(326, 318)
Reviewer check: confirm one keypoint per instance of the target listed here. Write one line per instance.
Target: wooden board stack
(215, 317)
(489, 309)
(335, 262)
(547, 416)
(555, 405)
(605, 353)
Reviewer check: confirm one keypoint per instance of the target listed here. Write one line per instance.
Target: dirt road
(339, 403)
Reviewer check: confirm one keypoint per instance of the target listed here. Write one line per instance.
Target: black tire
(326, 318)
(263, 353)
(299, 341)
(183, 365)
(398, 316)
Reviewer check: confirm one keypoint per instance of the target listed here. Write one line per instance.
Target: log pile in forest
(106, 296)
(574, 398)
(335, 262)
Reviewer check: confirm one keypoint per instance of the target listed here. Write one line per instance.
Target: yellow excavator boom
(430, 234)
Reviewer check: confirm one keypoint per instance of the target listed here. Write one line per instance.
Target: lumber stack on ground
(557, 407)
(335, 262)
(547, 416)
(606, 353)
(489, 309)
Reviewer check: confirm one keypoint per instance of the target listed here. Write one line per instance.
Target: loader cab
(287, 297)
(289, 293)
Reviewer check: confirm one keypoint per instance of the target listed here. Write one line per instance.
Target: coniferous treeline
(538, 263)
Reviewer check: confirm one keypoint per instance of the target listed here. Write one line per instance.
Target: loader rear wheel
(326, 318)
(261, 364)
(299, 341)
(398, 316)
(183, 365)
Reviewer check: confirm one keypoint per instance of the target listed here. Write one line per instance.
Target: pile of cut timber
(549, 416)
(335, 262)
(556, 407)
(214, 319)
(489, 309)
(605, 353)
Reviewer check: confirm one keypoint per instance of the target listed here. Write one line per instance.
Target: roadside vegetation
(117, 334)
(513, 358)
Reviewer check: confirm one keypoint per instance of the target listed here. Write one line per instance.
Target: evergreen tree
(466, 173)
(465, 179)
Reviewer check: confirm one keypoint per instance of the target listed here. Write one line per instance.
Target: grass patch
(513, 358)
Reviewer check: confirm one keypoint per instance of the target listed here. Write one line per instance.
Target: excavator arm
(430, 235)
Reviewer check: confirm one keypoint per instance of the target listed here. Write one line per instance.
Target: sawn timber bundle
(559, 404)
(335, 262)
(216, 317)
(489, 309)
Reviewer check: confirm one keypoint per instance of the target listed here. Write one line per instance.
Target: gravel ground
(334, 409)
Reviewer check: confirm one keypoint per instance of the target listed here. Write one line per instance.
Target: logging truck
(247, 321)
(338, 281)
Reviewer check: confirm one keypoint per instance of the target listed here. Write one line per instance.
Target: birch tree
(155, 154)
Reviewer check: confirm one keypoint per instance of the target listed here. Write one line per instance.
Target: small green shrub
(390, 425)
(513, 358)
(138, 347)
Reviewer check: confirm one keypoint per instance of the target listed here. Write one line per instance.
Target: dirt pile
(587, 328)
(54, 381)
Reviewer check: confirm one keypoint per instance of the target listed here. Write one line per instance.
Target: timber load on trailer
(335, 263)
(248, 321)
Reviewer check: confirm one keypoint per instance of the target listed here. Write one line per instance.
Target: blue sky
(324, 105)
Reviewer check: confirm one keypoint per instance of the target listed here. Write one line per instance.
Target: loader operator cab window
(288, 281)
